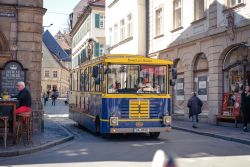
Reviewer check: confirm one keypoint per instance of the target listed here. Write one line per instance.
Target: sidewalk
(222, 132)
(53, 135)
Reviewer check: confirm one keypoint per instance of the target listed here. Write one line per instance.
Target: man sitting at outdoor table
(24, 98)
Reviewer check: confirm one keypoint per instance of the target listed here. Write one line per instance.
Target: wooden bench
(221, 117)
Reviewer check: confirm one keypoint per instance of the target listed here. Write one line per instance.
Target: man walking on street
(245, 107)
(194, 105)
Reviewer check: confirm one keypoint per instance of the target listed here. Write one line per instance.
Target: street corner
(52, 135)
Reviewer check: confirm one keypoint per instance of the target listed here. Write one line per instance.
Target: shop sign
(10, 76)
(179, 89)
(6, 14)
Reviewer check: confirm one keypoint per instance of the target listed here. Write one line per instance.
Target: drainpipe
(147, 26)
(14, 57)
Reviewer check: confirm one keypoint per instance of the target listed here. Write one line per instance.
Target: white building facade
(207, 39)
(126, 26)
(88, 32)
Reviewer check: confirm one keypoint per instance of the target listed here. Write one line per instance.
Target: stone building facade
(21, 41)
(54, 73)
(209, 43)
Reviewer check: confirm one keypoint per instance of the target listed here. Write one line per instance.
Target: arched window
(236, 67)
(236, 74)
(201, 76)
(179, 89)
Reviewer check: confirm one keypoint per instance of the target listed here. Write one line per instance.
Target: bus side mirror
(95, 72)
(174, 73)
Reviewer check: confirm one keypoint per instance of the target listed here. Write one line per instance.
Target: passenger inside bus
(113, 88)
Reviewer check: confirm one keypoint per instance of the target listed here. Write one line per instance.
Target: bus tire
(97, 125)
(154, 135)
(106, 135)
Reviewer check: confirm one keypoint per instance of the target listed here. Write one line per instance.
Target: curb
(242, 141)
(37, 148)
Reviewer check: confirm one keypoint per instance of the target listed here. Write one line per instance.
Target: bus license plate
(141, 130)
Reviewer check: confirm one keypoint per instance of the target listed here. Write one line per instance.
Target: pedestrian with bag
(194, 105)
(245, 107)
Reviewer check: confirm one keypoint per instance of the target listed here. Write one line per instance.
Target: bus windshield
(132, 79)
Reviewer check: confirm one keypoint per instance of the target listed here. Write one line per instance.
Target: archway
(201, 76)
(179, 89)
(236, 73)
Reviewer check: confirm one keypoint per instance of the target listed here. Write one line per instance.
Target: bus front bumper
(140, 130)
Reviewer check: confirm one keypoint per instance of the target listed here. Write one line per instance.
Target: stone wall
(214, 48)
(23, 32)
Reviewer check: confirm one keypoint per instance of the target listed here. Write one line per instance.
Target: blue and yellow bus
(122, 94)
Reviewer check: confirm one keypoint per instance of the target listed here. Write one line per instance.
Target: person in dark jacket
(245, 107)
(24, 98)
(194, 105)
(54, 96)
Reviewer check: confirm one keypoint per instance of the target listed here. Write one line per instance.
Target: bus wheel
(106, 135)
(97, 126)
(154, 135)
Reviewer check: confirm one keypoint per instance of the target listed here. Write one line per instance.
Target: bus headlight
(167, 120)
(114, 121)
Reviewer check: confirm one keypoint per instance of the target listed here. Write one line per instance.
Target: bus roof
(127, 59)
(134, 59)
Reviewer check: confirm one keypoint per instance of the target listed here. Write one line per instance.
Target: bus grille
(139, 109)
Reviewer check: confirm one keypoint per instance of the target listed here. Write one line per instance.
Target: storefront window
(236, 69)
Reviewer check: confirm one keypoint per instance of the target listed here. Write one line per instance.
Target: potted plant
(5, 95)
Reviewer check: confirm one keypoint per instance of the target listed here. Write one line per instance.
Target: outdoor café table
(11, 103)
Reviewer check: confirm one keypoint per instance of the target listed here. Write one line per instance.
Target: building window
(115, 34)
(54, 74)
(97, 49)
(101, 50)
(46, 74)
(232, 3)
(129, 26)
(102, 21)
(122, 30)
(99, 21)
(110, 36)
(158, 22)
(199, 9)
(177, 14)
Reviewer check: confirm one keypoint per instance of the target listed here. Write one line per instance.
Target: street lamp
(51, 24)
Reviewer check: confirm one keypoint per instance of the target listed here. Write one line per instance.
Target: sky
(57, 14)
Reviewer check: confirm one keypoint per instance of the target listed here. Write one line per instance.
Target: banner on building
(180, 89)
(202, 87)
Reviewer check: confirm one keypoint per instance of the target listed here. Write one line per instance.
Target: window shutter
(97, 49)
(97, 20)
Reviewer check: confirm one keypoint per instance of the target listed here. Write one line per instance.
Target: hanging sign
(10, 76)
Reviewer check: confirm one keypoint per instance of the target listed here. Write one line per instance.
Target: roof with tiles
(54, 47)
